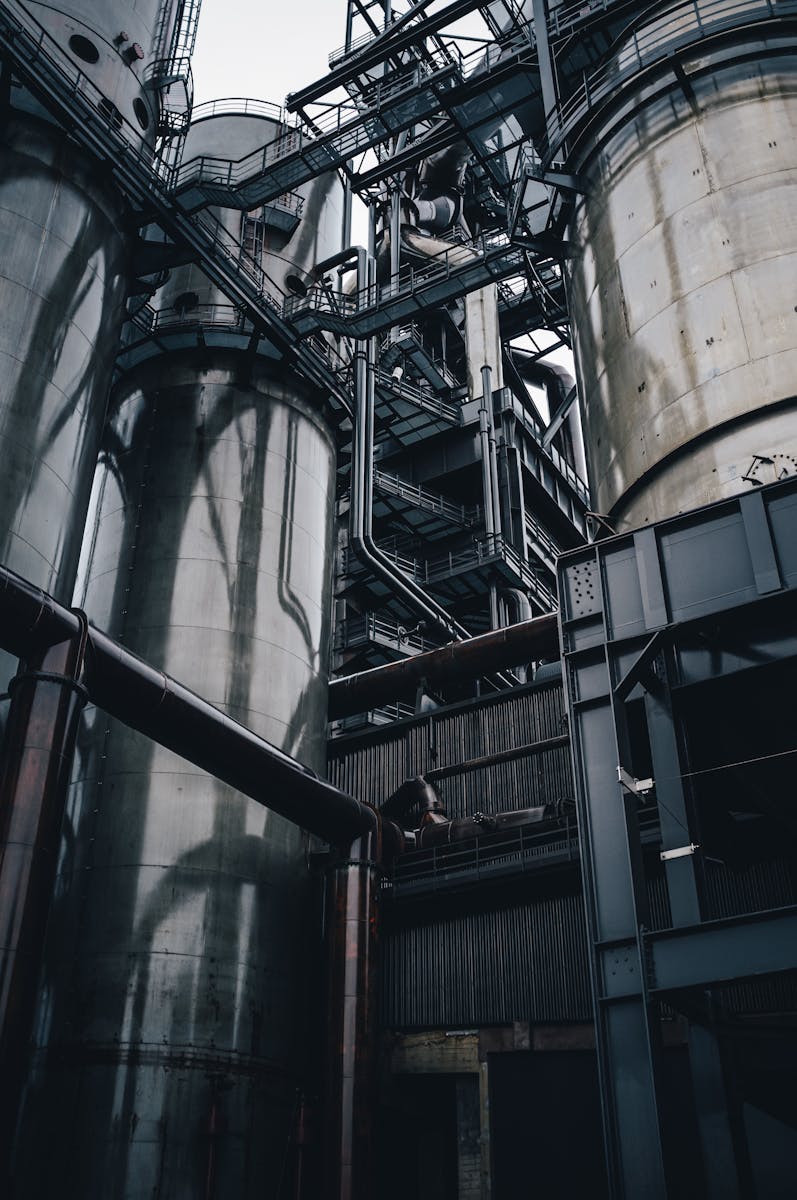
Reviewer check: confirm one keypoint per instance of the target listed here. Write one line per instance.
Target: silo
(682, 285)
(63, 284)
(170, 1036)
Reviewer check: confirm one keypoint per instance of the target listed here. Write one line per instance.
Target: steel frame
(626, 606)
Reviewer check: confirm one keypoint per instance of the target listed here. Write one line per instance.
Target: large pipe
(47, 698)
(158, 706)
(350, 1080)
(484, 655)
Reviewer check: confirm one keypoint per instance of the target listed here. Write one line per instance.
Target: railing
(376, 716)
(117, 143)
(394, 485)
(491, 256)
(518, 850)
(421, 397)
(655, 40)
(553, 842)
(536, 533)
(340, 119)
(238, 106)
(485, 551)
(565, 17)
(356, 631)
(508, 400)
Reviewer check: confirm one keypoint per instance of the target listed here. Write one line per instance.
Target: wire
(742, 762)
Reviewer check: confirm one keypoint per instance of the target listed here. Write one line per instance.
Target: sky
(264, 49)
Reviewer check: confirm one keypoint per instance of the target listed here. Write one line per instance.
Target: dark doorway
(545, 1126)
(417, 1140)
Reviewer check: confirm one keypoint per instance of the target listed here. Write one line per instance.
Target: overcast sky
(264, 48)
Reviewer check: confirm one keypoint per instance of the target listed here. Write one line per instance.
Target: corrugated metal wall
(372, 765)
(523, 960)
(522, 963)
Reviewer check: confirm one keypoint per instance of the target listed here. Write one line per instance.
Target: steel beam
(726, 951)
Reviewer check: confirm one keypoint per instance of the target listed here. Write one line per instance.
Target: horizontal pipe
(158, 706)
(500, 756)
(456, 662)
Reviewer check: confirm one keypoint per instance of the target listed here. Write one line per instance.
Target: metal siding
(373, 765)
(521, 963)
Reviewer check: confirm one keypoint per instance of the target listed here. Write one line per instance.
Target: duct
(521, 603)
(465, 829)
(483, 655)
(156, 705)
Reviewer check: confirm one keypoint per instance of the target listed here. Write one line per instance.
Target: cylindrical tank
(62, 287)
(682, 288)
(171, 1040)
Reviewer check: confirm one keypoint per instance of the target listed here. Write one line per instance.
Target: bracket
(679, 852)
(636, 787)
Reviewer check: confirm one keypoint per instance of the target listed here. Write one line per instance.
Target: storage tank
(170, 1039)
(682, 287)
(63, 284)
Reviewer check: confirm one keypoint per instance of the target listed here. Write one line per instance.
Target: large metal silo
(171, 1040)
(63, 284)
(682, 287)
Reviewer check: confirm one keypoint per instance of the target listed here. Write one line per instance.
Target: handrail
(484, 551)
(429, 501)
(243, 106)
(654, 40)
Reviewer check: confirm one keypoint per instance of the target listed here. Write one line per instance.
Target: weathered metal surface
(176, 970)
(61, 297)
(681, 291)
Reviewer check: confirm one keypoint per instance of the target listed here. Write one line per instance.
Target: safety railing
(394, 485)
(485, 551)
(654, 40)
(536, 533)
(553, 842)
(339, 121)
(420, 397)
(244, 106)
(465, 268)
(506, 399)
(521, 849)
(356, 631)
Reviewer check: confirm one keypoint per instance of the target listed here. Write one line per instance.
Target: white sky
(264, 48)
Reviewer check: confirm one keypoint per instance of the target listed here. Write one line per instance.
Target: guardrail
(654, 40)
(394, 485)
(356, 631)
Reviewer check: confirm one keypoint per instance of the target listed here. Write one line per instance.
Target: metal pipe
(487, 488)
(352, 945)
(47, 698)
(360, 520)
(157, 705)
(500, 756)
(487, 395)
(454, 663)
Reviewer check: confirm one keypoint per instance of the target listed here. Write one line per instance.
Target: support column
(46, 701)
(723, 1150)
(352, 941)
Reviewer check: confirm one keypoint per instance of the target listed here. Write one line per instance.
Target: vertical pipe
(352, 946)
(47, 699)
(395, 236)
(492, 463)
(484, 439)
